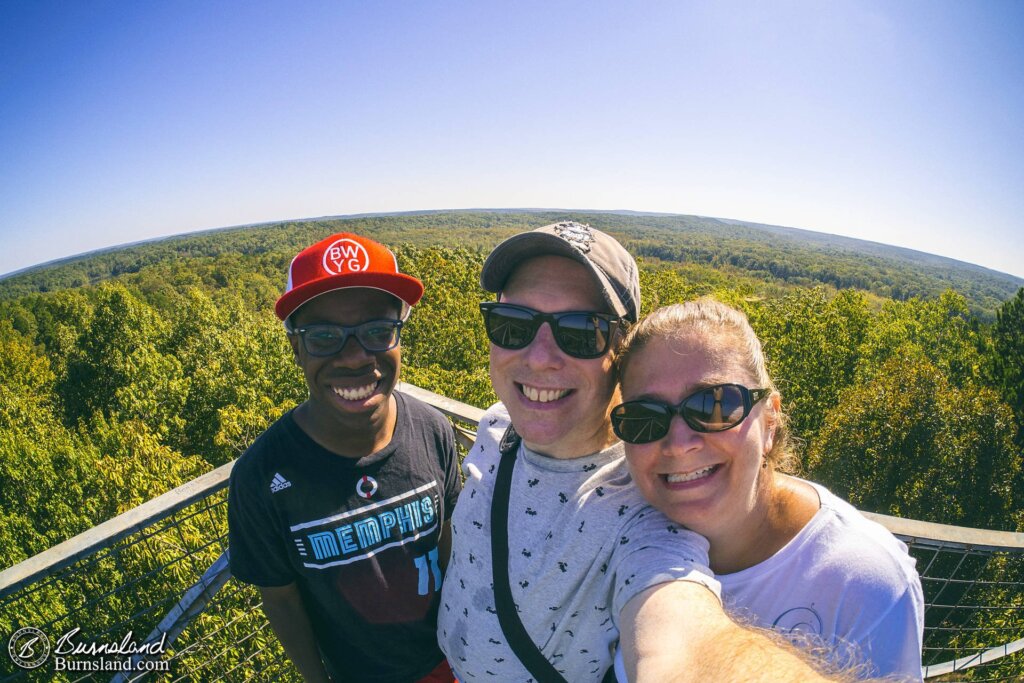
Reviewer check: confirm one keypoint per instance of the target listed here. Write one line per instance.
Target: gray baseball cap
(613, 267)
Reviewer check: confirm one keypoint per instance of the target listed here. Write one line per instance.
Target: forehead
(672, 367)
(347, 307)
(554, 283)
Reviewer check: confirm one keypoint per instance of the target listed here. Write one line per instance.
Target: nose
(681, 438)
(352, 354)
(543, 351)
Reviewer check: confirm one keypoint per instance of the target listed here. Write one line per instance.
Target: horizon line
(372, 214)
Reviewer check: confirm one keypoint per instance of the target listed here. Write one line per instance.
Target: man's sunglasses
(714, 409)
(375, 336)
(581, 334)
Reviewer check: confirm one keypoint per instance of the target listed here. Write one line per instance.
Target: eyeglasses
(580, 334)
(714, 409)
(375, 336)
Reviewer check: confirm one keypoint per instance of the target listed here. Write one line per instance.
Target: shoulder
(864, 553)
(421, 414)
(481, 461)
(264, 453)
(646, 527)
(650, 550)
(859, 527)
(879, 602)
(422, 426)
(424, 435)
(488, 434)
(495, 420)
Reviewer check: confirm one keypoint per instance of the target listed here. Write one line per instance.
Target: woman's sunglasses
(581, 334)
(714, 409)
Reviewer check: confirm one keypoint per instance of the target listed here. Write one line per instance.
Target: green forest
(129, 372)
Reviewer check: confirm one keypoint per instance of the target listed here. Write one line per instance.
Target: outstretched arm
(678, 632)
(288, 617)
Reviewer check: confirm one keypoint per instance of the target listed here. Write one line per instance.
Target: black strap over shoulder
(518, 639)
(508, 615)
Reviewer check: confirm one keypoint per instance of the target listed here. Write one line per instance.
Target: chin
(539, 438)
(697, 517)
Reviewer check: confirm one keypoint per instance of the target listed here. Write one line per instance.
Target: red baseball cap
(342, 261)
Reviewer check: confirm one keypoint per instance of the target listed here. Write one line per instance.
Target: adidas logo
(279, 483)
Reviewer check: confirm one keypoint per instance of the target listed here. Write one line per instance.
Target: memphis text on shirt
(361, 533)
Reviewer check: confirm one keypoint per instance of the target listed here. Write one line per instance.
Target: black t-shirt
(358, 537)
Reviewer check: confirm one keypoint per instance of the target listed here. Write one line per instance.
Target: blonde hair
(709, 317)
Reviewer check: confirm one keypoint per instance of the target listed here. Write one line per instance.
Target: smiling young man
(339, 512)
(555, 554)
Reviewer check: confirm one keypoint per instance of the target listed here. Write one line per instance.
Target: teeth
(697, 474)
(543, 395)
(356, 393)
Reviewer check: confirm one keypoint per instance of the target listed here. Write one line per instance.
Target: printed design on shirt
(366, 487)
(278, 483)
(362, 533)
(799, 620)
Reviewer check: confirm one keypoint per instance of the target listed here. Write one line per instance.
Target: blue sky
(895, 121)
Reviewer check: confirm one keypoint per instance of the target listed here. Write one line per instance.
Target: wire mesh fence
(165, 584)
(157, 579)
(975, 611)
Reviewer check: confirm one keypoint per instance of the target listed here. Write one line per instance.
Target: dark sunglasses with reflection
(580, 334)
(712, 409)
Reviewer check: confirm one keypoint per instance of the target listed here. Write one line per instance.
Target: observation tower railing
(160, 571)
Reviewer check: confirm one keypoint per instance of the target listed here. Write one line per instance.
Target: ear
(774, 406)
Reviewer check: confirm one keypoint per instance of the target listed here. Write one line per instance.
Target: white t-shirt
(582, 543)
(843, 581)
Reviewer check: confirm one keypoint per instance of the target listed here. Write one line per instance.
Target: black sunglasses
(375, 336)
(714, 409)
(580, 334)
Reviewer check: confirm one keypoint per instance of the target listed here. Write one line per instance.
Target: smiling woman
(789, 554)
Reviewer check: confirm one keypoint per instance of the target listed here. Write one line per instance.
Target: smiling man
(339, 512)
(555, 555)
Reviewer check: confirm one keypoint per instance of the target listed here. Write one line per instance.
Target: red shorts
(442, 673)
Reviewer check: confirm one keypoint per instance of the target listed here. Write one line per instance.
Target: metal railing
(159, 574)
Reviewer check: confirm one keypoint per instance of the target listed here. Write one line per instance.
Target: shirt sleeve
(893, 646)
(653, 551)
(257, 553)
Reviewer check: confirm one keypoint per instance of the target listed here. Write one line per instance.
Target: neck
(575, 449)
(781, 509)
(355, 438)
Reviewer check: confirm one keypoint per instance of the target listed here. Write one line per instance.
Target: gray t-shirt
(582, 543)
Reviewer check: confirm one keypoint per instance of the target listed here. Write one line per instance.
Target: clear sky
(895, 120)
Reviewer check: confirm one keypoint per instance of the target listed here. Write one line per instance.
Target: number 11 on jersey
(435, 569)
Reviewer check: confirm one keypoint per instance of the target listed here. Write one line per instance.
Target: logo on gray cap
(576, 234)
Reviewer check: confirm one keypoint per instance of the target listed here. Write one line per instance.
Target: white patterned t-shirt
(582, 543)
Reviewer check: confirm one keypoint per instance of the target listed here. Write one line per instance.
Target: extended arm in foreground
(677, 632)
